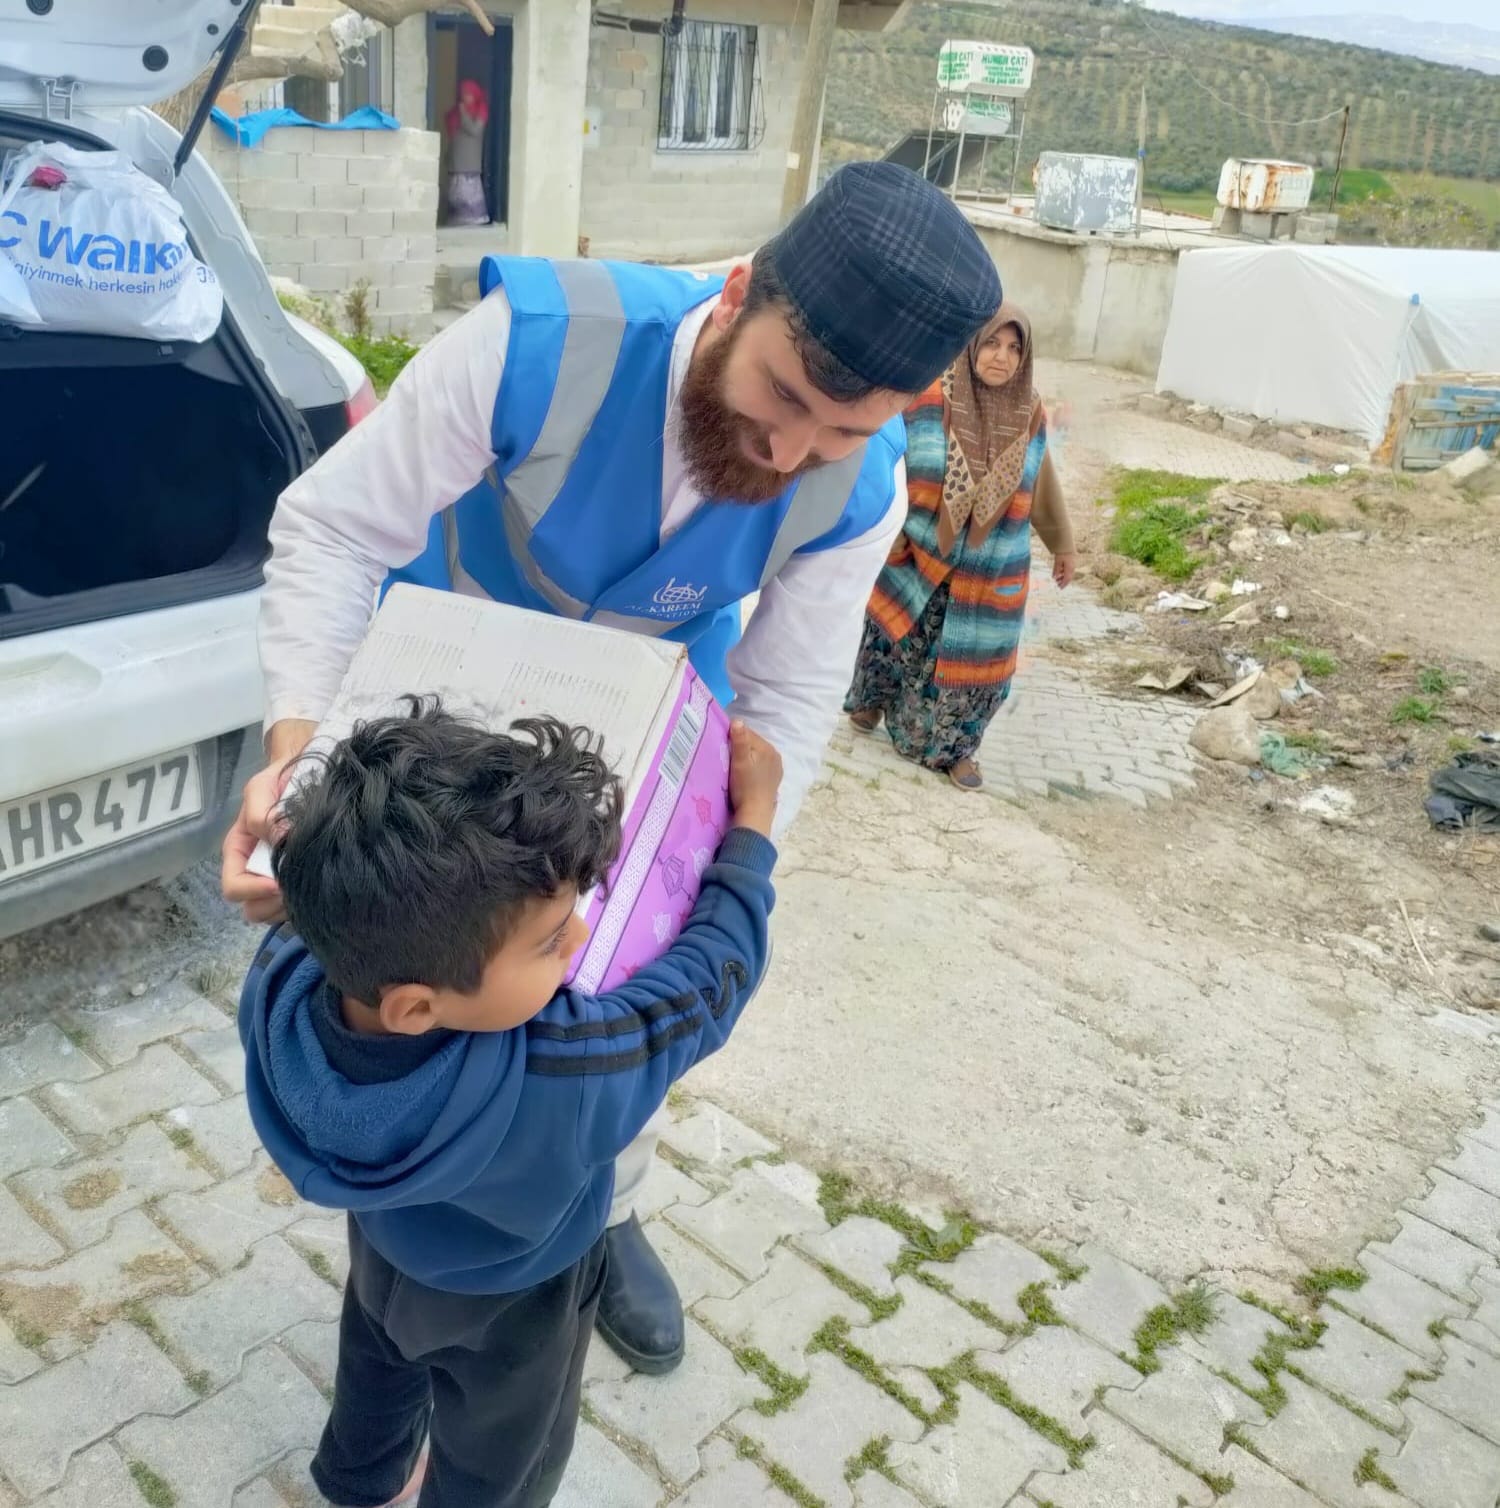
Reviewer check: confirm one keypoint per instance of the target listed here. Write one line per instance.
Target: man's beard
(712, 436)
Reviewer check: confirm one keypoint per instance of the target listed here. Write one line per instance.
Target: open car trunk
(129, 487)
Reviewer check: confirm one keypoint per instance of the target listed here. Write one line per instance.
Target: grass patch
(1312, 740)
(1272, 1358)
(881, 1305)
(322, 1266)
(180, 1137)
(980, 1310)
(1458, 744)
(1438, 1329)
(1319, 479)
(833, 1337)
(1322, 1281)
(1067, 1272)
(142, 1318)
(1413, 709)
(997, 1390)
(1314, 662)
(785, 1389)
(874, 1457)
(1155, 511)
(1310, 520)
(156, 1490)
(383, 357)
(1190, 1312)
(1433, 680)
(840, 1201)
(1369, 1471)
(1036, 1304)
(797, 1490)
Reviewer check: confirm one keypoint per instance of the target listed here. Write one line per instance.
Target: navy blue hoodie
(490, 1167)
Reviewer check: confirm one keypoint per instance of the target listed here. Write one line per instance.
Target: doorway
(457, 52)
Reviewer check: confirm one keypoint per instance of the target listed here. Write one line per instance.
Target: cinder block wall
(681, 206)
(329, 208)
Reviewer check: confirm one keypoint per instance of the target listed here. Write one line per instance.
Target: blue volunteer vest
(568, 519)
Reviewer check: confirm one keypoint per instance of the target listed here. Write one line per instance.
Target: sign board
(985, 68)
(979, 115)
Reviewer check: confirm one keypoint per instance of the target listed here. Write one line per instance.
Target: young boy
(414, 1058)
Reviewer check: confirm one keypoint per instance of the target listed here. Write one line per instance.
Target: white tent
(1323, 334)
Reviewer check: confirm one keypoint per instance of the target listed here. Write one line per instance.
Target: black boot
(640, 1313)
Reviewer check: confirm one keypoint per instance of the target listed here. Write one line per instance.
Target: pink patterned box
(663, 733)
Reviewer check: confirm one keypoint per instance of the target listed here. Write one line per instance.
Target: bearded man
(643, 447)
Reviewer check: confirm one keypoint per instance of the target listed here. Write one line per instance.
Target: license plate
(97, 812)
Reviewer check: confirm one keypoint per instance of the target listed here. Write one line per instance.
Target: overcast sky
(1475, 12)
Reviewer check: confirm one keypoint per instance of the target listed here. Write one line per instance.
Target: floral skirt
(466, 204)
(937, 726)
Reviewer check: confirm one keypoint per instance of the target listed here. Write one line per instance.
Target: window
(367, 76)
(710, 89)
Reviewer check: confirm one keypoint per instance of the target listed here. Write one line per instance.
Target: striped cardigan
(987, 581)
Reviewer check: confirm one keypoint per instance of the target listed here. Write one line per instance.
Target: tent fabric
(1324, 334)
(250, 130)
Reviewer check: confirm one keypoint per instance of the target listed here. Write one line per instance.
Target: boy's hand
(754, 779)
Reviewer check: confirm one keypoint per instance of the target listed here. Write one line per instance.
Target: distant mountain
(1457, 45)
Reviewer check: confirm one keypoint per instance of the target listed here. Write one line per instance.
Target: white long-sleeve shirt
(367, 505)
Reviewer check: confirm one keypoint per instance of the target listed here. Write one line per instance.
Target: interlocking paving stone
(157, 1079)
(668, 1186)
(781, 1312)
(96, 1478)
(743, 1223)
(55, 1413)
(258, 1494)
(1234, 1339)
(875, 1491)
(1185, 1408)
(220, 1052)
(1487, 1316)
(671, 1416)
(832, 1422)
(16, 1361)
(118, 1032)
(712, 1138)
(1403, 1306)
(70, 1299)
(225, 1221)
(1461, 1208)
(1352, 1361)
(1110, 1300)
(215, 1326)
(984, 1457)
(28, 1139)
(1444, 1464)
(1256, 1485)
(860, 1248)
(236, 1434)
(1476, 1162)
(1468, 1388)
(43, 1056)
(1319, 1443)
(601, 1475)
(1435, 1255)
(324, 1239)
(602, 1365)
(697, 1275)
(1488, 1130)
(82, 1198)
(993, 1271)
(315, 1344)
(728, 1481)
(1059, 1371)
(221, 1131)
(928, 1330)
(23, 1243)
(1122, 1468)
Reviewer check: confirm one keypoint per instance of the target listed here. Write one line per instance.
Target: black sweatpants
(495, 1378)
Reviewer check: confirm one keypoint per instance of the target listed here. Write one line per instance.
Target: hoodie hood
(417, 1139)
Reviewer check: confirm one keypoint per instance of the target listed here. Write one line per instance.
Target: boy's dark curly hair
(410, 856)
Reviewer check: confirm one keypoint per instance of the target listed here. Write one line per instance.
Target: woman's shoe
(866, 722)
(965, 775)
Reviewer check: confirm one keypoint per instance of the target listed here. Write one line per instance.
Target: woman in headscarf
(466, 123)
(944, 622)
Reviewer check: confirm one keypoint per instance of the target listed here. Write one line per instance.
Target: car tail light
(362, 404)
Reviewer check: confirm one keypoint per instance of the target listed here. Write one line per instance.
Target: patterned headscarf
(989, 431)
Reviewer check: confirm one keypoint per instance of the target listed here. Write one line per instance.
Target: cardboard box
(663, 734)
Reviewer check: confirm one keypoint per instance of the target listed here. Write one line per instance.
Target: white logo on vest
(674, 601)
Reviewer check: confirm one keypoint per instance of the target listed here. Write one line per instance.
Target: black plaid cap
(887, 274)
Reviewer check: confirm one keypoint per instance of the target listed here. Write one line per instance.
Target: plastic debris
(1244, 588)
(1175, 602)
(1328, 803)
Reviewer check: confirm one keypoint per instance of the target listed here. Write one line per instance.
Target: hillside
(1213, 92)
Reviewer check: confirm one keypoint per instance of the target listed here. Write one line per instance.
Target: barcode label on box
(685, 736)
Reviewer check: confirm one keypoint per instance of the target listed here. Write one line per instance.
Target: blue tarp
(249, 130)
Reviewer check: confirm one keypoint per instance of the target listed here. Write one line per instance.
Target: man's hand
(754, 779)
(1064, 567)
(258, 897)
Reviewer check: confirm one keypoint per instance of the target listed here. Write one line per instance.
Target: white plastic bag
(103, 253)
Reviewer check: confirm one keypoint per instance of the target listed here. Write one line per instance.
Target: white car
(136, 484)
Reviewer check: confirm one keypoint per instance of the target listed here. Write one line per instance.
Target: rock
(1244, 542)
(1285, 673)
(1489, 932)
(1263, 700)
(1243, 616)
(1239, 689)
(1281, 612)
(1329, 803)
(1228, 733)
(1215, 591)
(1468, 465)
(1238, 427)
(137, 991)
(1282, 540)
(1154, 404)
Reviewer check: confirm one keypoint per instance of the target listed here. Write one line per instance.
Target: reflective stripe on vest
(591, 348)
